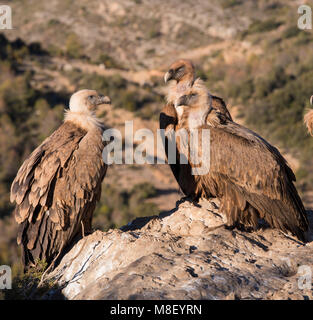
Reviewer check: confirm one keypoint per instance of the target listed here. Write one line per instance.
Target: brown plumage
(248, 175)
(308, 119)
(181, 75)
(58, 185)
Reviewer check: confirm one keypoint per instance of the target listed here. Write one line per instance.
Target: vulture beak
(311, 100)
(169, 75)
(103, 100)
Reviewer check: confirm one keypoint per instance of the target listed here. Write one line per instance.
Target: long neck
(176, 90)
(191, 118)
(197, 118)
(85, 120)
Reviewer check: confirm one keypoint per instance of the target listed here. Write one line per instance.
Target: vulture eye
(92, 99)
(180, 72)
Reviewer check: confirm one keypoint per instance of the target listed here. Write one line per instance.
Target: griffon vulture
(308, 118)
(57, 187)
(248, 175)
(181, 77)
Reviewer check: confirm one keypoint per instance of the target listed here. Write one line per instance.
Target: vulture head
(181, 71)
(195, 97)
(83, 107)
(86, 101)
(196, 106)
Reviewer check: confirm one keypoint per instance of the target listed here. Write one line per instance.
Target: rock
(185, 254)
(67, 67)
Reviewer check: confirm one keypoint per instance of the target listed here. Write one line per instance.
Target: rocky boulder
(185, 254)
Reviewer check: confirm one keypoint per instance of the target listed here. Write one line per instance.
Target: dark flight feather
(55, 189)
(248, 175)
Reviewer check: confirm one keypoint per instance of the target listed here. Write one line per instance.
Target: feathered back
(248, 175)
(56, 190)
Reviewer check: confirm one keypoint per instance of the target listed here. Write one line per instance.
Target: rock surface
(185, 254)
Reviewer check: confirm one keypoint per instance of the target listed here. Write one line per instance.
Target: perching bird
(57, 187)
(308, 118)
(249, 176)
(181, 76)
(182, 72)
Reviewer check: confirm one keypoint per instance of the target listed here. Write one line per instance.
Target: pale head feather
(80, 112)
(176, 90)
(78, 101)
(200, 88)
(197, 113)
(308, 120)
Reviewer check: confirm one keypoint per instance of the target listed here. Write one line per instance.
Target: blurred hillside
(250, 52)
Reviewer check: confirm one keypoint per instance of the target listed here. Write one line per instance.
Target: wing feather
(257, 171)
(181, 172)
(249, 161)
(168, 121)
(53, 188)
(33, 181)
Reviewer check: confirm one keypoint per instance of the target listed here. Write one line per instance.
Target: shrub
(73, 47)
(291, 32)
(144, 190)
(118, 207)
(108, 61)
(25, 286)
(230, 3)
(263, 26)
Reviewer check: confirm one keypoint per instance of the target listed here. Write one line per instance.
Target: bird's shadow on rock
(309, 214)
(140, 223)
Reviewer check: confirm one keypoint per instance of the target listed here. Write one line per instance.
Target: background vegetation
(262, 66)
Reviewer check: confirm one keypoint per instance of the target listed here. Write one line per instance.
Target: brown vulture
(58, 185)
(308, 118)
(181, 77)
(248, 175)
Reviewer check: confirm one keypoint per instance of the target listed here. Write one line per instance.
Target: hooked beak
(311, 100)
(104, 100)
(168, 76)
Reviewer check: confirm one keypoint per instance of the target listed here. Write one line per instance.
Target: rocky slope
(116, 27)
(184, 254)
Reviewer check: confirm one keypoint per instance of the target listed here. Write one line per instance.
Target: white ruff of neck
(197, 119)
(85, 120)
(175, 91)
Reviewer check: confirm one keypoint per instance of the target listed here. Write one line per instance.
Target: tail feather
(39, 240)
(288, 215)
